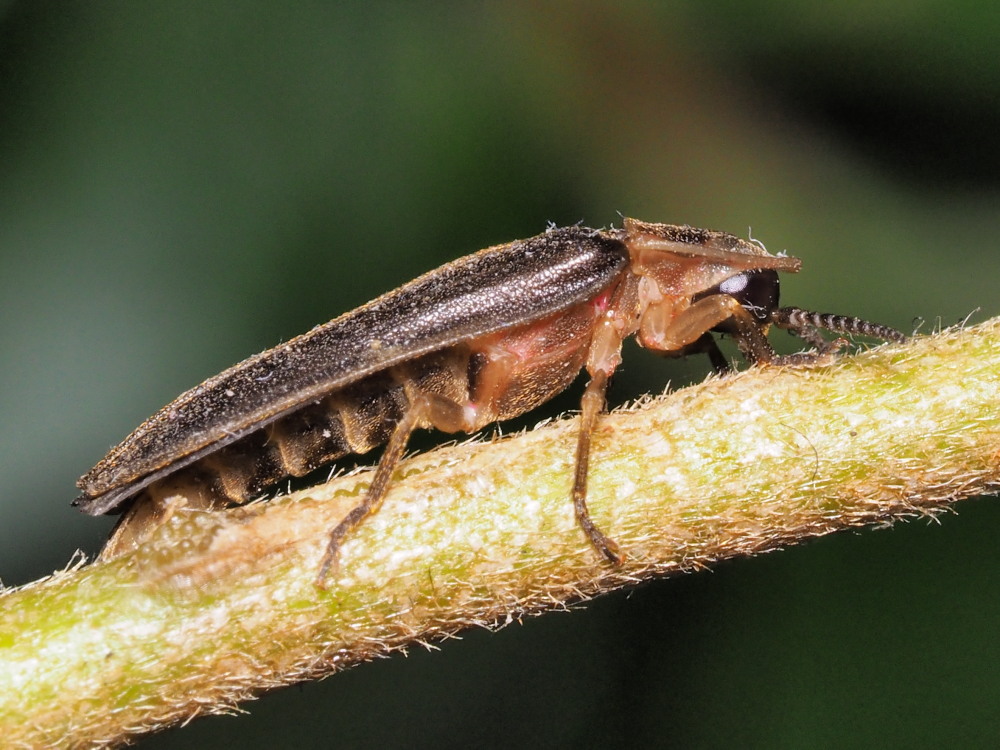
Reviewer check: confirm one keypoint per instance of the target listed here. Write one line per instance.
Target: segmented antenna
(800, 321)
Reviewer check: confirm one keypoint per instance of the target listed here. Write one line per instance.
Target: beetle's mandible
(484, 338)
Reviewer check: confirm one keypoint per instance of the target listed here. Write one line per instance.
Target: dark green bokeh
(184, 184)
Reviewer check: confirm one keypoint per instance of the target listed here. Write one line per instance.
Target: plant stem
(219, 606)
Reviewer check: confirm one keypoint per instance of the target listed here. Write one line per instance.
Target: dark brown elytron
(484, 338)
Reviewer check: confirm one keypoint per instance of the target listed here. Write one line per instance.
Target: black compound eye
(756, 291)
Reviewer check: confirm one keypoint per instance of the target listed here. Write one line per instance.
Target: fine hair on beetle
(482, 339)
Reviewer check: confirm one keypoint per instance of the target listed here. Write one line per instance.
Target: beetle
(484, 338)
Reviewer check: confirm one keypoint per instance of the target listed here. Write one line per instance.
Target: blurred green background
(184, 184)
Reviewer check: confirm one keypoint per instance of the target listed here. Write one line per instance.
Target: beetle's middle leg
(603, 357)
(591, 406)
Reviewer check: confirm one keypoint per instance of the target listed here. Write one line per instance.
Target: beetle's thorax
(671, 268)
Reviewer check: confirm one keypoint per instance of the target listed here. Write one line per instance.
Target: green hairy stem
(220, 606)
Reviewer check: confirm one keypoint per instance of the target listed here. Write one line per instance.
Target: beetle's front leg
(662, 329)
(707, 345)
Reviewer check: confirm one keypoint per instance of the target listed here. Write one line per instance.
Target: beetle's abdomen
(352, 420)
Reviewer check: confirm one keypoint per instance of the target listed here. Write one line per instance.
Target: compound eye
(756, 291)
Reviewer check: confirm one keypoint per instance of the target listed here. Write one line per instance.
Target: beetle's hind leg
(134, 526)
(376, 492)
(153, 508)
(423, 409)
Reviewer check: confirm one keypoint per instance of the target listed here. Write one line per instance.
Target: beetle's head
(756, 291)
